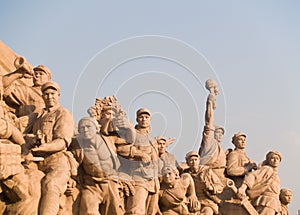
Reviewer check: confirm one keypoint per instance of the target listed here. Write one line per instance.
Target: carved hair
(91, 119)
(283, 192)
(210, 84)
(273, 152)
(167, 169)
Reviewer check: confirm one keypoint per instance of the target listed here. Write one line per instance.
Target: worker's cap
(160, 138)
(219, 127)
(52, 85)
(43, 69)
(273, 152)
(191, 154)
(143, 111)
(236, 135)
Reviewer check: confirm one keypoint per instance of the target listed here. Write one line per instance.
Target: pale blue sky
(253, 48)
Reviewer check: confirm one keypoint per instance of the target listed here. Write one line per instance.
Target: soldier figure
(211, 152)
(56, 125)
(263, 185)
(238, 163)
(142, 166)
(285, 198)
(26, 99)
(207, 184)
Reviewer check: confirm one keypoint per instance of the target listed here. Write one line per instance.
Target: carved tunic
(284, 210)
(55, 124)
(211, 152)
(236, 162)
(167, 159)
(203, 179)
(267, 176)
(146, 174)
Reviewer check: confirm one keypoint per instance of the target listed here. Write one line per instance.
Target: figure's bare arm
(56, 145)
(130, 151)
(209, 114)
(194, 204)
(189, 183)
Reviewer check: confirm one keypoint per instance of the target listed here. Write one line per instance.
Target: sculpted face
(161, 146)
(143, 120)
(108, 114)
(169, 177)
(106, 121)
(240, 142)
(51, 97)
(218, 135)
(87, 129)
(274, 160)
(193, 162)
(216, 90)
(92, 112)
(286, 197)
(40, 78)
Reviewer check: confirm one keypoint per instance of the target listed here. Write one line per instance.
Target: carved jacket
(265, 178)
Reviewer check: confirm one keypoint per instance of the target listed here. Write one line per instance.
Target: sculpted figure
(142, 166)
(55, 127)
(285, 198)
(166, 158)
(21, 192)
(177, 193)
(211, 152)
(263, 185)
(23, 98)
(100, 192)
(207, 184)
(238, 163)
(19, 187)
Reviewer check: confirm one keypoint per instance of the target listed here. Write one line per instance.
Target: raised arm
(209, 112)
(24, 71)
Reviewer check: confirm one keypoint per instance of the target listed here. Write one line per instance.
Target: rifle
(244, 201)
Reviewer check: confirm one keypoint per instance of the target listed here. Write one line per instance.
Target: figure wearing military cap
(26, 99)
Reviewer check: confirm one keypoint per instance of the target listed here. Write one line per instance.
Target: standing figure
(100, 192)
(207, 184)
(263, 185)
(141, 163)
(177, 193)
(285, 198)
(211, 152)
(56, 126)
(26, 99)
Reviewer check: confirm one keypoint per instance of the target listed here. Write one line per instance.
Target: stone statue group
(109, 166)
